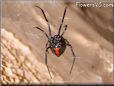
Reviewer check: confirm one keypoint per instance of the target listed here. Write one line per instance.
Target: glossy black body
(58, 41)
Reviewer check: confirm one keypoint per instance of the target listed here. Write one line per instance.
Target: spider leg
(46, 59)
(74, 56)
(64, 30)
(42, 31)
(62, 21)
(46, 20)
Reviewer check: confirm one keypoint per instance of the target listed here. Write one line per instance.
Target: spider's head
(56, 41)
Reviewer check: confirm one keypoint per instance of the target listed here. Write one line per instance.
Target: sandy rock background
(90, 32)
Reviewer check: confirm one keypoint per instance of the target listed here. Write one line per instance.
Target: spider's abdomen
(58, 45)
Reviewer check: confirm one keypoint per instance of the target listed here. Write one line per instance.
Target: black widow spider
(56, 43)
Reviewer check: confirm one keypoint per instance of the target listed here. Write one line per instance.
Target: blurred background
(90, 32)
